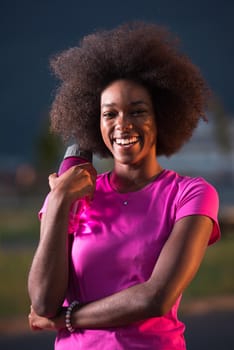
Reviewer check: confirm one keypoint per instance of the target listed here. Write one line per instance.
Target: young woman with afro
(116, 282)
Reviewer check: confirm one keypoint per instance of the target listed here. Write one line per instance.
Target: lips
(126, 141)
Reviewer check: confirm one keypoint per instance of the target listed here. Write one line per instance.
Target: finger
(32, 326)
(90, 168)
(35, 328)
(52, 178)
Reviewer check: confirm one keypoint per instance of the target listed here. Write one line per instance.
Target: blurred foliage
(222, 133)
(48, 150)
(14, 268)
(22, 229)
(215, 274)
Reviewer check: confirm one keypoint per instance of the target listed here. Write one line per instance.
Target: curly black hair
(142, 52)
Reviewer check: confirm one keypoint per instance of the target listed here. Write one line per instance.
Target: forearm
(177, 264)
(117, 310)
(120, 309)
(48, 277)
(175, 267)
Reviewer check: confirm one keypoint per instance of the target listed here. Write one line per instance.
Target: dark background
(32, 31)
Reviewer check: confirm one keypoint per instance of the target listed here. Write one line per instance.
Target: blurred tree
(222, 132)
(48, 150)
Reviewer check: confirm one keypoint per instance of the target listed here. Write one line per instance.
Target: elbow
(44, 310)
(158, 306)
(43, 303)
(156, 309)
(160, 309)
(153, 303)
(43, 307)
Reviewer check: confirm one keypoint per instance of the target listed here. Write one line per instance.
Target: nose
(124, 122)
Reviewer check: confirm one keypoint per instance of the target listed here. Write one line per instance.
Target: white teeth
(126, 141)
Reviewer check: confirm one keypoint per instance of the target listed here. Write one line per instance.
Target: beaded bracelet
(68, 316)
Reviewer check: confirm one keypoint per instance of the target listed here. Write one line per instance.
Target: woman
(116, 282)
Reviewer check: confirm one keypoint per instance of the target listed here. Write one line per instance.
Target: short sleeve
(198, 197)
(73, 216)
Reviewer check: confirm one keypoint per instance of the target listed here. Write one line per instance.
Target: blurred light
(25, 175)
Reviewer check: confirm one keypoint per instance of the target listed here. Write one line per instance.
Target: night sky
(32, 31)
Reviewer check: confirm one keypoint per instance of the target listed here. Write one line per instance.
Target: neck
(127, 178)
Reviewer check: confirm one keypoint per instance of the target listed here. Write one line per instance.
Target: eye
(109, 114)
(138, 112)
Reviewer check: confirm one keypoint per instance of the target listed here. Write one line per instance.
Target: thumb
(52, 178)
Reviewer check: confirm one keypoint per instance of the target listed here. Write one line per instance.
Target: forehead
(124, 91)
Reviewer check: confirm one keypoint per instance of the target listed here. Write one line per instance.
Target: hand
(39, 323)
(75, 183)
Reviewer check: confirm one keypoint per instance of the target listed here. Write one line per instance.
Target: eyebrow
(140, 102)
(133, 103)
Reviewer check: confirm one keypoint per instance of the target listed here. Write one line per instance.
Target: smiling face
(128, 122)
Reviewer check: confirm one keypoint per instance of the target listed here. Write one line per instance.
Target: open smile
(126, 141)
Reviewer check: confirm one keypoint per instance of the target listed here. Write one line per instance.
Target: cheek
(150, 126)
(151, 130)
(153, 126)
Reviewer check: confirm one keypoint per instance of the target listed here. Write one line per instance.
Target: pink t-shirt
(117, 243)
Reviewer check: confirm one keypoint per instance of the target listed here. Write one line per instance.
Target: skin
(127, 114)
(50, 264)
(129, 131)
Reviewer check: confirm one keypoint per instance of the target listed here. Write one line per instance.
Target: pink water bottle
(75, 156)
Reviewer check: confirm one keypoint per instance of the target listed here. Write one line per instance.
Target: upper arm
(179, 259)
